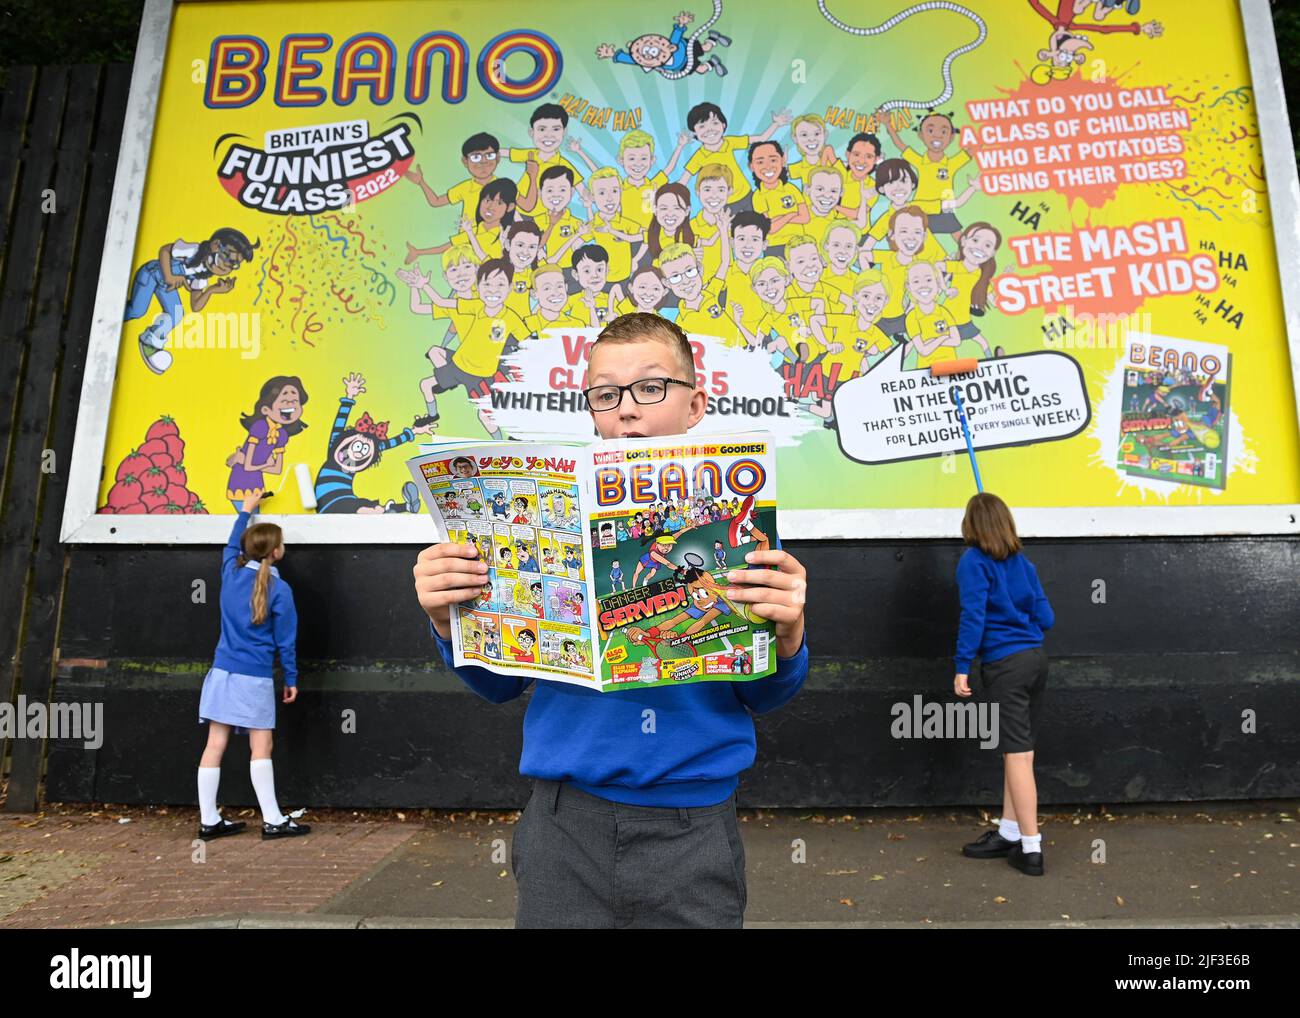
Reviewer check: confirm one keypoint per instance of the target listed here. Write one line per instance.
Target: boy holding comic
(632, 818)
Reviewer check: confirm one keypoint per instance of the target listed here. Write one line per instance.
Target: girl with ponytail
(258, 620)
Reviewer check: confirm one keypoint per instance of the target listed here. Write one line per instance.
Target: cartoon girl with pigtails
(936, 170)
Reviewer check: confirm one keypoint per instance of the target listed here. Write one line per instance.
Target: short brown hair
(989, 526)
(906, 210)
(641, 325)
(495, 265)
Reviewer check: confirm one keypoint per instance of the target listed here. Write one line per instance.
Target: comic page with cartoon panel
(668, 519)
(521, 506)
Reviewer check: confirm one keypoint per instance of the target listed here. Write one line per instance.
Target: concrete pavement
(1217, 865)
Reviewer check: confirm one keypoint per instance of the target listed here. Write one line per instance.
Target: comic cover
(1174, 424)
(667, 522)
(607, 563)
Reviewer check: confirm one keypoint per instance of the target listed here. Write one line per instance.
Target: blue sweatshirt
(245, 648)
(1003, 608)
(688, 752)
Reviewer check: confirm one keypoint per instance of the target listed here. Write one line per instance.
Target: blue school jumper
(1003, 608)
(244, 648)
(688, 752)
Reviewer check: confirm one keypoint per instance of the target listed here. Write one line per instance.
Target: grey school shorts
(1016, 683)
(585, 862)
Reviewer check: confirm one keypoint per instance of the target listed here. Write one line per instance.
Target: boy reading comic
(632, 818)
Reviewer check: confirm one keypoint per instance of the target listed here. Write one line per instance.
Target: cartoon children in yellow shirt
(699, 305)
(480, 155)
(636, 154)
(748, 243)
(840, 251)
(896, 180)
(824, 191)
(522, 241)
(930, 328)
(909, 241)
(557, 223)
(494, 212)
(708, 124)
(936, 170)
(646, 291)
(783, 330)
(808, 292)
(775, 196)
(969, 279)
(546, 127)
(809, 133)
(861, 155)
(551, 291)
(606, 224)
(712, 186)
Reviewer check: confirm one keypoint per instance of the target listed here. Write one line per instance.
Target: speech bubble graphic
(889, 415)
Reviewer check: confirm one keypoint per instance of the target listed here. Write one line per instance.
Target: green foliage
(1286, 24)
(68, 31)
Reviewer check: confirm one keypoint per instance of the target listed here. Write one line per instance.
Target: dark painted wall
(1145, 698)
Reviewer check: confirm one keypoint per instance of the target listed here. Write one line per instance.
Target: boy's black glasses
(643, 390)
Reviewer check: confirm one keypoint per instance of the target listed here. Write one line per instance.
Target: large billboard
(342, 229)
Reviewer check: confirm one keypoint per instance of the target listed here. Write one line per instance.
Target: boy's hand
(777, 594)
(290, 694)
(447, 574)
(960, 686)
(251, 501)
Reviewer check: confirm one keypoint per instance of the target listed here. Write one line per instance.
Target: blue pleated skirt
(244, 701)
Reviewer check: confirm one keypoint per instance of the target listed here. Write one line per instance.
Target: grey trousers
(585, 862)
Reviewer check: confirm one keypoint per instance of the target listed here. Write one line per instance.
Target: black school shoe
(288, 829)
(1030, 863)
(220, 829)
(989, 845)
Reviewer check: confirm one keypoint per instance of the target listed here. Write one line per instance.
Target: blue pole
(965, 430)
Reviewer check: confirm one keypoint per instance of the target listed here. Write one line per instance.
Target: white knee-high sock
(264, 785)
(209, 779)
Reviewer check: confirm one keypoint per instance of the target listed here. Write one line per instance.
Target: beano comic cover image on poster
(607, 564)
(666, 526)
(1174, 422)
